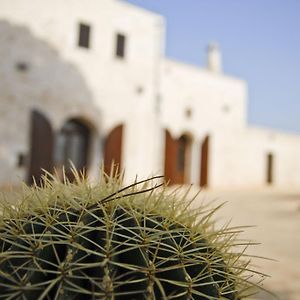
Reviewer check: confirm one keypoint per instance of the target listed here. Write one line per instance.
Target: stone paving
(276, 217)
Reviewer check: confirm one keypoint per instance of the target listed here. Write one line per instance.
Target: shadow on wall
(47, 112)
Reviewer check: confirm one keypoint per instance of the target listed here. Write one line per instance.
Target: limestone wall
(42, 67)
(242, 161)
(217, 106)
(116, 91)
(31, 75)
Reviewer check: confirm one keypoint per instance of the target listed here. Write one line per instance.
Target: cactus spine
(76, 241)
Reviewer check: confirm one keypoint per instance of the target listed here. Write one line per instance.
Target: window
(21, 160)
(22, 66)
(188, 113)
(84, 35)
(120, 46)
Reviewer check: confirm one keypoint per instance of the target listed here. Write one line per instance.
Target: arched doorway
(41, 147)
(72, 146)
(204, 167)
(113, 150)
(177, 158)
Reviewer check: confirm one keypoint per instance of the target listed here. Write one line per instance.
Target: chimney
(214, 58)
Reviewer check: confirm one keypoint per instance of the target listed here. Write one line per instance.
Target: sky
(260, 43)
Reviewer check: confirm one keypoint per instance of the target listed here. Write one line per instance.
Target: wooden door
(170, 158)
(270, 162)
(41, 147)
(113, 150)
(177, 159)
(204, 162)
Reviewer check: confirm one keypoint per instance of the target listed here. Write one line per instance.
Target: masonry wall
(242, 161)
(31, 75)
(42, 67)
(217, 104)
(285, 150)
(123, 91)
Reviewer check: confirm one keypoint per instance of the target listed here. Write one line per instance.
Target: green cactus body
(70, 245)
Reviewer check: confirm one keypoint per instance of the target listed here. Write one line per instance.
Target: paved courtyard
(276, 216)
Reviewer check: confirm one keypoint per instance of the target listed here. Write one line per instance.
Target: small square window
(21, 160)
(22, 66)
(84, 35)
(188, 113)
(120, 46)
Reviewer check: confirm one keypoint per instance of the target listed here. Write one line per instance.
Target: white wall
(285, 149)
(217, 101)
(218, 106)
(112, 83)
(39, 87)
(145, 92)
(242, 160)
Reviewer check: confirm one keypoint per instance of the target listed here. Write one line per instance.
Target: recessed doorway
(178, 156)
(72, 148)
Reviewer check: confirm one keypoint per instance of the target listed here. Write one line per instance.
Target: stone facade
(95, 76)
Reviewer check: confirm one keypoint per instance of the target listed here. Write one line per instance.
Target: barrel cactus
(81, 241)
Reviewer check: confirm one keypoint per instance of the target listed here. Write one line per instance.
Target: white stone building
(88, 81)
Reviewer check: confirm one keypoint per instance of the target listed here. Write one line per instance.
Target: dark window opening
(22, 66)
(226, 108)
(139, 89)
(84, 35)
(120, 46)
(188, 113)
(21, 160)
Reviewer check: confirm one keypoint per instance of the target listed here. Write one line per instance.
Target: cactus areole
(77, 241)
